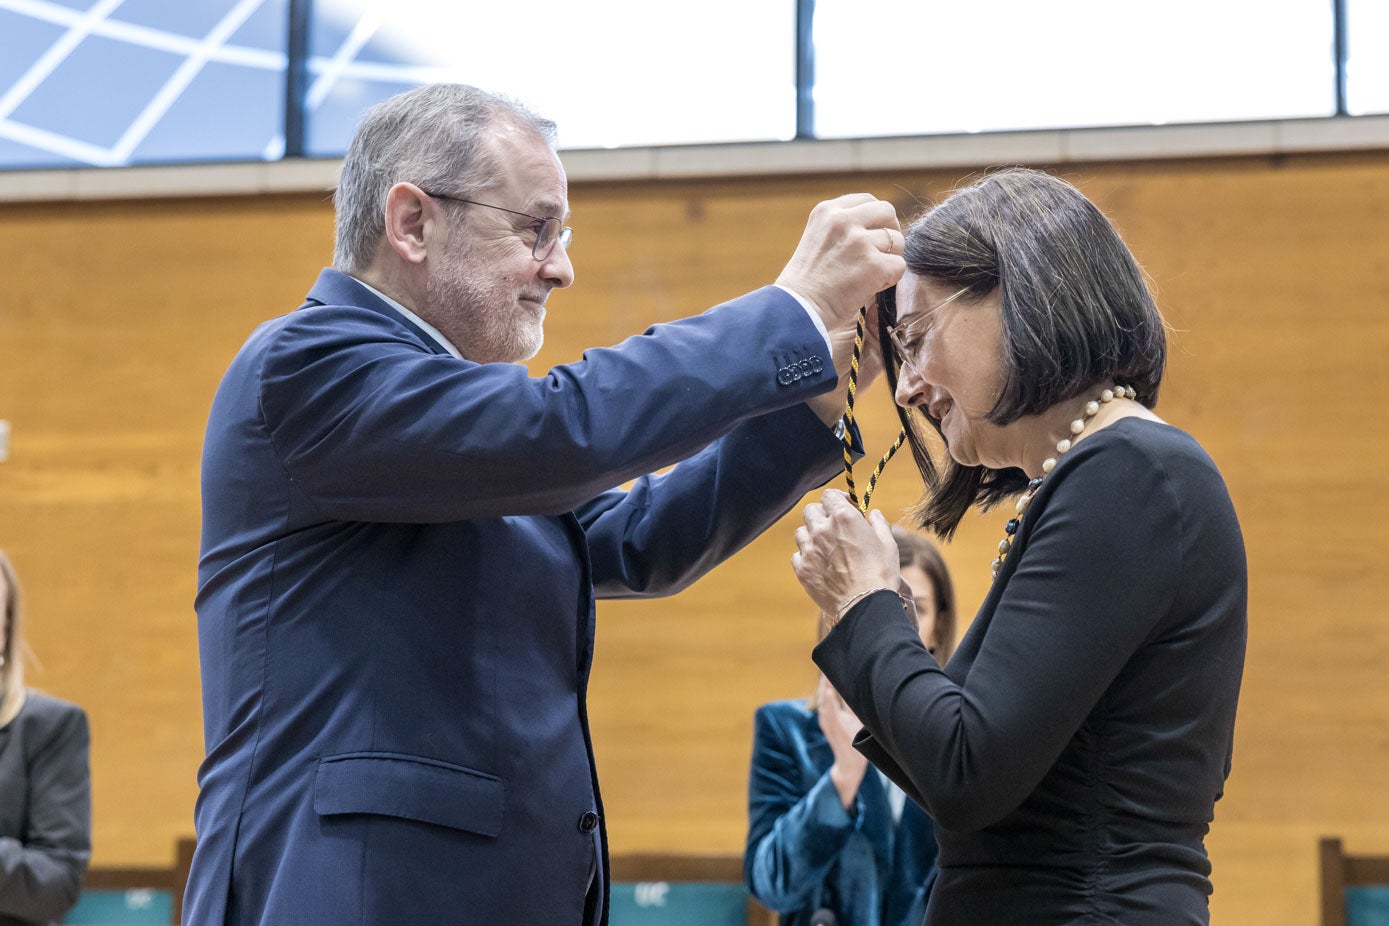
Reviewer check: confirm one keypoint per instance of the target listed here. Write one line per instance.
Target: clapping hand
(840, 726)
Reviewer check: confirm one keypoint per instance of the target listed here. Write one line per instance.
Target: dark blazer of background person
(45, 810)
(45, 785)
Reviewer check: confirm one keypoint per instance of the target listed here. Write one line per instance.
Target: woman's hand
(841, 554)
(840, 726)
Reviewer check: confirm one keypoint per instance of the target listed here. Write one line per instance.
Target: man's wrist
(814, 314)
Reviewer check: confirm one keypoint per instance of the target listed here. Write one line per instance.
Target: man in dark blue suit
(404, 534)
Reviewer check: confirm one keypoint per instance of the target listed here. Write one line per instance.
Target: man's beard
(479, 313)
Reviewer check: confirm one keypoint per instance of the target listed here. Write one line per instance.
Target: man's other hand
(850, 250)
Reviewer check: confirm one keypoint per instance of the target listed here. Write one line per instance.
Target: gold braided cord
(849, 425)
(882, 464)
(848, 437)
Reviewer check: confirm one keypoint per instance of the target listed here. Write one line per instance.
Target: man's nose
(556, 268)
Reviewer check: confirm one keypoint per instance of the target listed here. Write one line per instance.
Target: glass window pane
(1067, 63)
(1367, 64)
(106, 83)
(610, 73)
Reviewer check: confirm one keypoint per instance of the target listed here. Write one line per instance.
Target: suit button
(588, 822)
(783, 376)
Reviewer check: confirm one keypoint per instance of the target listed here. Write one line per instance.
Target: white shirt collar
(896, 797)
(424, 325)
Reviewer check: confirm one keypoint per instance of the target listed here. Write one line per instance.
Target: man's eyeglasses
(546, 233)
(907, 340)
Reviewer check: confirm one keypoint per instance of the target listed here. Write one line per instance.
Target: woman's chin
(962, 452)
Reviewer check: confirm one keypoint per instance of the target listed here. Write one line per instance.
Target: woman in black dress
(45, 789)
(1072, 750)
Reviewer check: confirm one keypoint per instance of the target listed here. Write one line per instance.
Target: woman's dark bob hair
(1077, 315)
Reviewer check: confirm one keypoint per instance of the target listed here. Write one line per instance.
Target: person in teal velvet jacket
(827, 833)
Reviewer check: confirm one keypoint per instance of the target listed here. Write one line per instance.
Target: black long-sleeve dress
(1073, 749)
(45, 810)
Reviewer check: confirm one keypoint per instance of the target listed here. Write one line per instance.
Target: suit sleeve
(376, 429)
(1096, 578)
(794, 836)
(670, 529)
(41, 874)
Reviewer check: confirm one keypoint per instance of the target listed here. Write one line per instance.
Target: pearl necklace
(1092, 408)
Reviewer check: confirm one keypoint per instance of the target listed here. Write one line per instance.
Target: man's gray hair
(430, 136)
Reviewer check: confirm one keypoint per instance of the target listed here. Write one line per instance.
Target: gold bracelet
(839, 615)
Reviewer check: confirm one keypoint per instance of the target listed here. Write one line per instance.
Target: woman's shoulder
(786, 718)
(788, 727)
(45, 711)
(1146, 472)
(1145, 435)
(1136, 443)
(787, 709)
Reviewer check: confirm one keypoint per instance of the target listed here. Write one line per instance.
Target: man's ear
(413, 222)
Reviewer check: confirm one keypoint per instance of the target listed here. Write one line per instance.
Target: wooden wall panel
(116, 320)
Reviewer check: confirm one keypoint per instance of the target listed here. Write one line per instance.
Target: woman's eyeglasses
(907, 340)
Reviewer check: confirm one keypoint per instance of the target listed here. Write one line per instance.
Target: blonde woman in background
(45, 786)
(827, 833)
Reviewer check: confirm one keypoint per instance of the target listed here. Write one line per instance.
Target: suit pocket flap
(411, 787)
